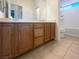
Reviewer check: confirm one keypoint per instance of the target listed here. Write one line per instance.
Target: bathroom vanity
(26, 26)
(17, 38)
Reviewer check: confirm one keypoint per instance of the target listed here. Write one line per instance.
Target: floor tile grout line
(67, 50)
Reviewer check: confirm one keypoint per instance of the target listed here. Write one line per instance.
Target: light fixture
(70, 6)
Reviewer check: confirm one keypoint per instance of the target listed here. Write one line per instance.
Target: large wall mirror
(27, 9)
(24, 9)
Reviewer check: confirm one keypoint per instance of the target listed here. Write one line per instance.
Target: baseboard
(77, 36)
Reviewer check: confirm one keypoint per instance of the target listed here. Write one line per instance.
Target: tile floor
(67, 48)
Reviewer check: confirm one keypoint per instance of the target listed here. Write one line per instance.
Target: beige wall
(42, 5)
(53, 14)
(48, 9)
(52, 10)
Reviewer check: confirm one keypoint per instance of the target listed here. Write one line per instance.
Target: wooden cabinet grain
(1, 40)
(18, 38)
(6, 31)
(38, 41)
(53, 31)
(38, 34)
(47, 32)
(25, 37)
(15, 40)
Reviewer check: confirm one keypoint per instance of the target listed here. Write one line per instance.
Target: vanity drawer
(38, 32)
(38, 25)
(38, 41)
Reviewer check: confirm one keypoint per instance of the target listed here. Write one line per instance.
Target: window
(16, 11)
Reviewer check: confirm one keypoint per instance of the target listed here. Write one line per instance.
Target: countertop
(2, 20)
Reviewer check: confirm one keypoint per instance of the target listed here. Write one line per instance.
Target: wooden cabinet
(15, 40)
(53, 31)
(1, 53)
(38, 25)
(6, 31)
(18, 38)
(38, 41)
(38, 34)
(25, 37)
(47, 32)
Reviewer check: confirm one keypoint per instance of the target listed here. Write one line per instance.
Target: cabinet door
(1, 41)
(5, 38)
(38, 41)
(38, 34)
(52, 31)
(15, 40)
(25, 37)
(47, 32)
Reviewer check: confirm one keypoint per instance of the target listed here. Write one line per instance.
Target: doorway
(69, 18)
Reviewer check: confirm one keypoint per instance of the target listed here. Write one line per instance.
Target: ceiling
(66, 2)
